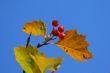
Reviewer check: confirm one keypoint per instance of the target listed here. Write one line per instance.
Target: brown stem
(28, 40)
(46, 43)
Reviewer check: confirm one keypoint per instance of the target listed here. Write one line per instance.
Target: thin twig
(46, 43)
(28, 40)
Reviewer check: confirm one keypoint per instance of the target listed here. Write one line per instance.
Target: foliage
(75, 45)
(32, 61)
(36, 28)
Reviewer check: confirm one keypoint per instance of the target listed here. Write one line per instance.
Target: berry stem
(46, 43)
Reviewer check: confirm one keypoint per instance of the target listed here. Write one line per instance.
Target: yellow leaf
(47, 63)
(36, 28)
(34, 62)
(23, 57)
(75, 45)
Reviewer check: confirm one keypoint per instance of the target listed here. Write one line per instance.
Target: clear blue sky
(90, 17)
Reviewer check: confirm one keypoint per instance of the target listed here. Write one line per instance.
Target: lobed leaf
(75, 45)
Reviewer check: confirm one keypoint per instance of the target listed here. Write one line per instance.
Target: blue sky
(90, 17)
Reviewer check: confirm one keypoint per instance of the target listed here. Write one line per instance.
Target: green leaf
(36, 28)
(34, 62)
(24, 59)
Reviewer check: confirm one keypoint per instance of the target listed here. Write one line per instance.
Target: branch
(28, 40)
(46, 43)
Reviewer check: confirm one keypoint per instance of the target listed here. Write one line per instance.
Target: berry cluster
(59, 31)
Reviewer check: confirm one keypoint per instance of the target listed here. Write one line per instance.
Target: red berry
(55, 32)
(61, 29)
(55, 23)
(61, 36)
